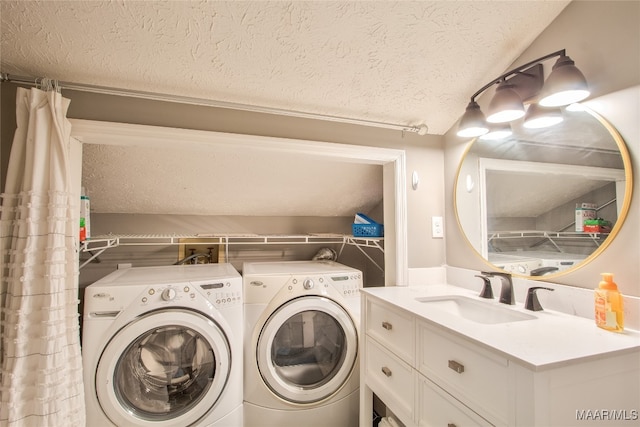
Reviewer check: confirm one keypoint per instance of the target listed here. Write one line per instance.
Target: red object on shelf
(596, 229)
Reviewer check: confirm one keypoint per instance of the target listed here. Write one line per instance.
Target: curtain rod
(35, 81)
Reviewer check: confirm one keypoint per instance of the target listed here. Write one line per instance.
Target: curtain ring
(47, 85)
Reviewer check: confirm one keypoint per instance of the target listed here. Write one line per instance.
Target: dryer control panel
(266, 281)
(347, 285)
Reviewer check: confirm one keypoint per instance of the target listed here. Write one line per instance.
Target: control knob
(307, 284)
(168, 294)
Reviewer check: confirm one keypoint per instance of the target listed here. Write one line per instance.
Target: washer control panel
(169, 294)
(350, 289)
(221, 294)
(348, 285)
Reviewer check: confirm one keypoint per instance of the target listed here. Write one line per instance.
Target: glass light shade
(472, 123)
(497, 132)
(538, 117)
(565, 85)
(506, 105)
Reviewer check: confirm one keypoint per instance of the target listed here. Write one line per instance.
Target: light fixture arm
(517, 70)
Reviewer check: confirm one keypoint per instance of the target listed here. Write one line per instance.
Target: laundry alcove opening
(148, 180)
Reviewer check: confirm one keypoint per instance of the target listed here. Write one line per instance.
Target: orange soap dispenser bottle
(609, 305)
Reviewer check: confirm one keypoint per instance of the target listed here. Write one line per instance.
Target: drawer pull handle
(451, 425)
(386, 371)
(387, 326)
(458, 367)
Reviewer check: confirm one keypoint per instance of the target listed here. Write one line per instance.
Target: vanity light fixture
(565, 85)
(575, 107)
(506, 104)
(473, 123)
(538, 117)
(497, 131)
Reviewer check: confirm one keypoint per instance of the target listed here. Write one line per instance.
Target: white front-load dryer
(301, 344)
(162, 346)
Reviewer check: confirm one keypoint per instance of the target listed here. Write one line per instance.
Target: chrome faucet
(506, 292)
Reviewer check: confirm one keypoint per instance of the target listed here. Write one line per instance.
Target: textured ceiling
(408, 63)
(130, 179)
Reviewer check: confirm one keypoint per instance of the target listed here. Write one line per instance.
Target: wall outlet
(437, 228)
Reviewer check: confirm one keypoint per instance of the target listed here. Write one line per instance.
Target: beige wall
(603, 38)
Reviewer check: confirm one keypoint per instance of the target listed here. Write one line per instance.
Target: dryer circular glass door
(167, 368)
(307, 349)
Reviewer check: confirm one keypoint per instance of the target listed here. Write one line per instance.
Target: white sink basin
(474, 310)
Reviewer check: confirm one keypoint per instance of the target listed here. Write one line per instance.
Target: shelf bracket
(352, 242)
(92, 257)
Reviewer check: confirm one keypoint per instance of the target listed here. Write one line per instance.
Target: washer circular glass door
(307, 349)
(167, 368)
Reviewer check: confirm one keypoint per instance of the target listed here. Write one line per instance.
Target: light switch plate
(437, 228)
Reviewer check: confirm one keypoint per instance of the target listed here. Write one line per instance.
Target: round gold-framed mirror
(544, 202)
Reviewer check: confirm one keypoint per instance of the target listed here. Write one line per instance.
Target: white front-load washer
(301, 344)
(162, 346)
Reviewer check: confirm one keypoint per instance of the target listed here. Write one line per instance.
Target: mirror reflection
(542, 201)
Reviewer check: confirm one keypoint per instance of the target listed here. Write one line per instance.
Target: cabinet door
(392, 328)
(437, 408)
(475, 376)
(391, 379)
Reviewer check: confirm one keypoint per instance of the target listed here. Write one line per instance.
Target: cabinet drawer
(391, 379)
(468, 372)
(393, 328)
(437, 408)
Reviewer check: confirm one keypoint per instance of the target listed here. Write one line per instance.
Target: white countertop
(550, 340)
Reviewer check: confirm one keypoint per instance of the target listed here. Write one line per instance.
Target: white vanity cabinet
(389, 356)
(407, 363)
(437, 408)
(473, 376)
(430, 375)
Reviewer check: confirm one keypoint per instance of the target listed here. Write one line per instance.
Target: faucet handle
(532, 303)
(487, 291)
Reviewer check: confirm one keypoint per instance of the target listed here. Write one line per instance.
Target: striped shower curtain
(40, 362)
